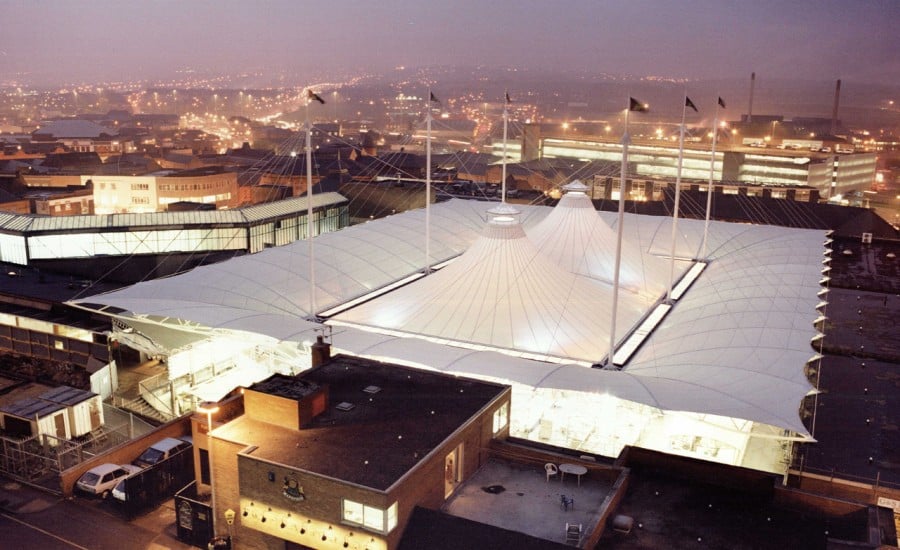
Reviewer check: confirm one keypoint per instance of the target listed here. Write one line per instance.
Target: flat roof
(441, 531)
(383, 436)
(32, 223)
(67, 395)
(31, 408)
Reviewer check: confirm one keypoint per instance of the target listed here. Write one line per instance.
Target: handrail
(154, 382)
(141, 405)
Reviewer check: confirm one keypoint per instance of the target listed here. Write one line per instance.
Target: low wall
(795, 499)
(532, 455)
(609, 506)
(841, 488)
(124, 453)
(710, 473)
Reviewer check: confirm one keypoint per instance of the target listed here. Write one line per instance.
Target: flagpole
(619, 225)
(677, 201)
(709, 187)
(428, 184)
(309, 215)
(505, 126)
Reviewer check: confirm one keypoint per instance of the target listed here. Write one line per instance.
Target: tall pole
(709, 187)
(309, 215)
(677, 199)
(619, 225)
(428, 184)
(505, 127)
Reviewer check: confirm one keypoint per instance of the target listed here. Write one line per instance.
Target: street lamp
(210, 409)
(774, 122)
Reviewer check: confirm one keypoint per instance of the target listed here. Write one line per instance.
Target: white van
(160, 451)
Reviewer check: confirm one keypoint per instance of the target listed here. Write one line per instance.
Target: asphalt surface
(33, 519)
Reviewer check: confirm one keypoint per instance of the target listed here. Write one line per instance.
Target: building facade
(831, 174)
(31, 240)
(115, 194)
(339, 456)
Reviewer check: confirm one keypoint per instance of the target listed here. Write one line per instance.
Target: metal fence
(39, 459)
(159, 482)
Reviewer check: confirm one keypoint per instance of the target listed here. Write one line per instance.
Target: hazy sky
(857, 40)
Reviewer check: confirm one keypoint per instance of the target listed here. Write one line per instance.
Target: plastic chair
(551, 470)
(573, 533)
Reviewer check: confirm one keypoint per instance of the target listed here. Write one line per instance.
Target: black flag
(689, 103)
(721, 102)
(313, 96)
(435, 99)
(635, 105)
(508, 100)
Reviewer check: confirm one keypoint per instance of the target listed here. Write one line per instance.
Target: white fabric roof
(502, 292)
(734, 345)
(575, 237)
(349, 263)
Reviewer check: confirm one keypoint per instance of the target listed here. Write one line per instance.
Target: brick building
(340, 455)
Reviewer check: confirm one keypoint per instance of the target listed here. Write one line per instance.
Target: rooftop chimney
(321, 351)
(750, 108)
(834, 111)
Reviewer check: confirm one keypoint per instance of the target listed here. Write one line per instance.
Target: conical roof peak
(575, 187)
(503, 214)
(575, 237)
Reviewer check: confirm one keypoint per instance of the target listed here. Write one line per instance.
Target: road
(85, 524)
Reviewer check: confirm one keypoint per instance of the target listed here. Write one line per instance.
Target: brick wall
(124, 453)
(272, 409)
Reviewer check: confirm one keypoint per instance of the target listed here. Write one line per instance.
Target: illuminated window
(370, 517)
(353, 512)
(392, 517)
(373, 518)
(501, 418)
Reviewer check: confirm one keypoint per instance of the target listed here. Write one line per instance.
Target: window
(353, 512)
(392, 517)
(501, 417)
(204, 466)
(370, 517)
(373, 518)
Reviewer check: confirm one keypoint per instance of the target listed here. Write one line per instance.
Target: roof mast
(310, 96)
(619, 223)
(687, 101)
(505, 127)
(712, 172)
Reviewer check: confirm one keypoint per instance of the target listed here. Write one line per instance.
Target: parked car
(161, 450)
(118, 491)
(100, 480)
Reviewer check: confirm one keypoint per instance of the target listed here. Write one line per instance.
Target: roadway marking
(48, 533)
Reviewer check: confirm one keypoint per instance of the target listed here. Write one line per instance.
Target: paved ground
(32, 519)
(528, 503)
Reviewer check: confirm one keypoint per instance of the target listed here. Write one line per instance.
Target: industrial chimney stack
(834, 111)
(750, 108)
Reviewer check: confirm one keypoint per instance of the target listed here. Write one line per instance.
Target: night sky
(58, 41)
